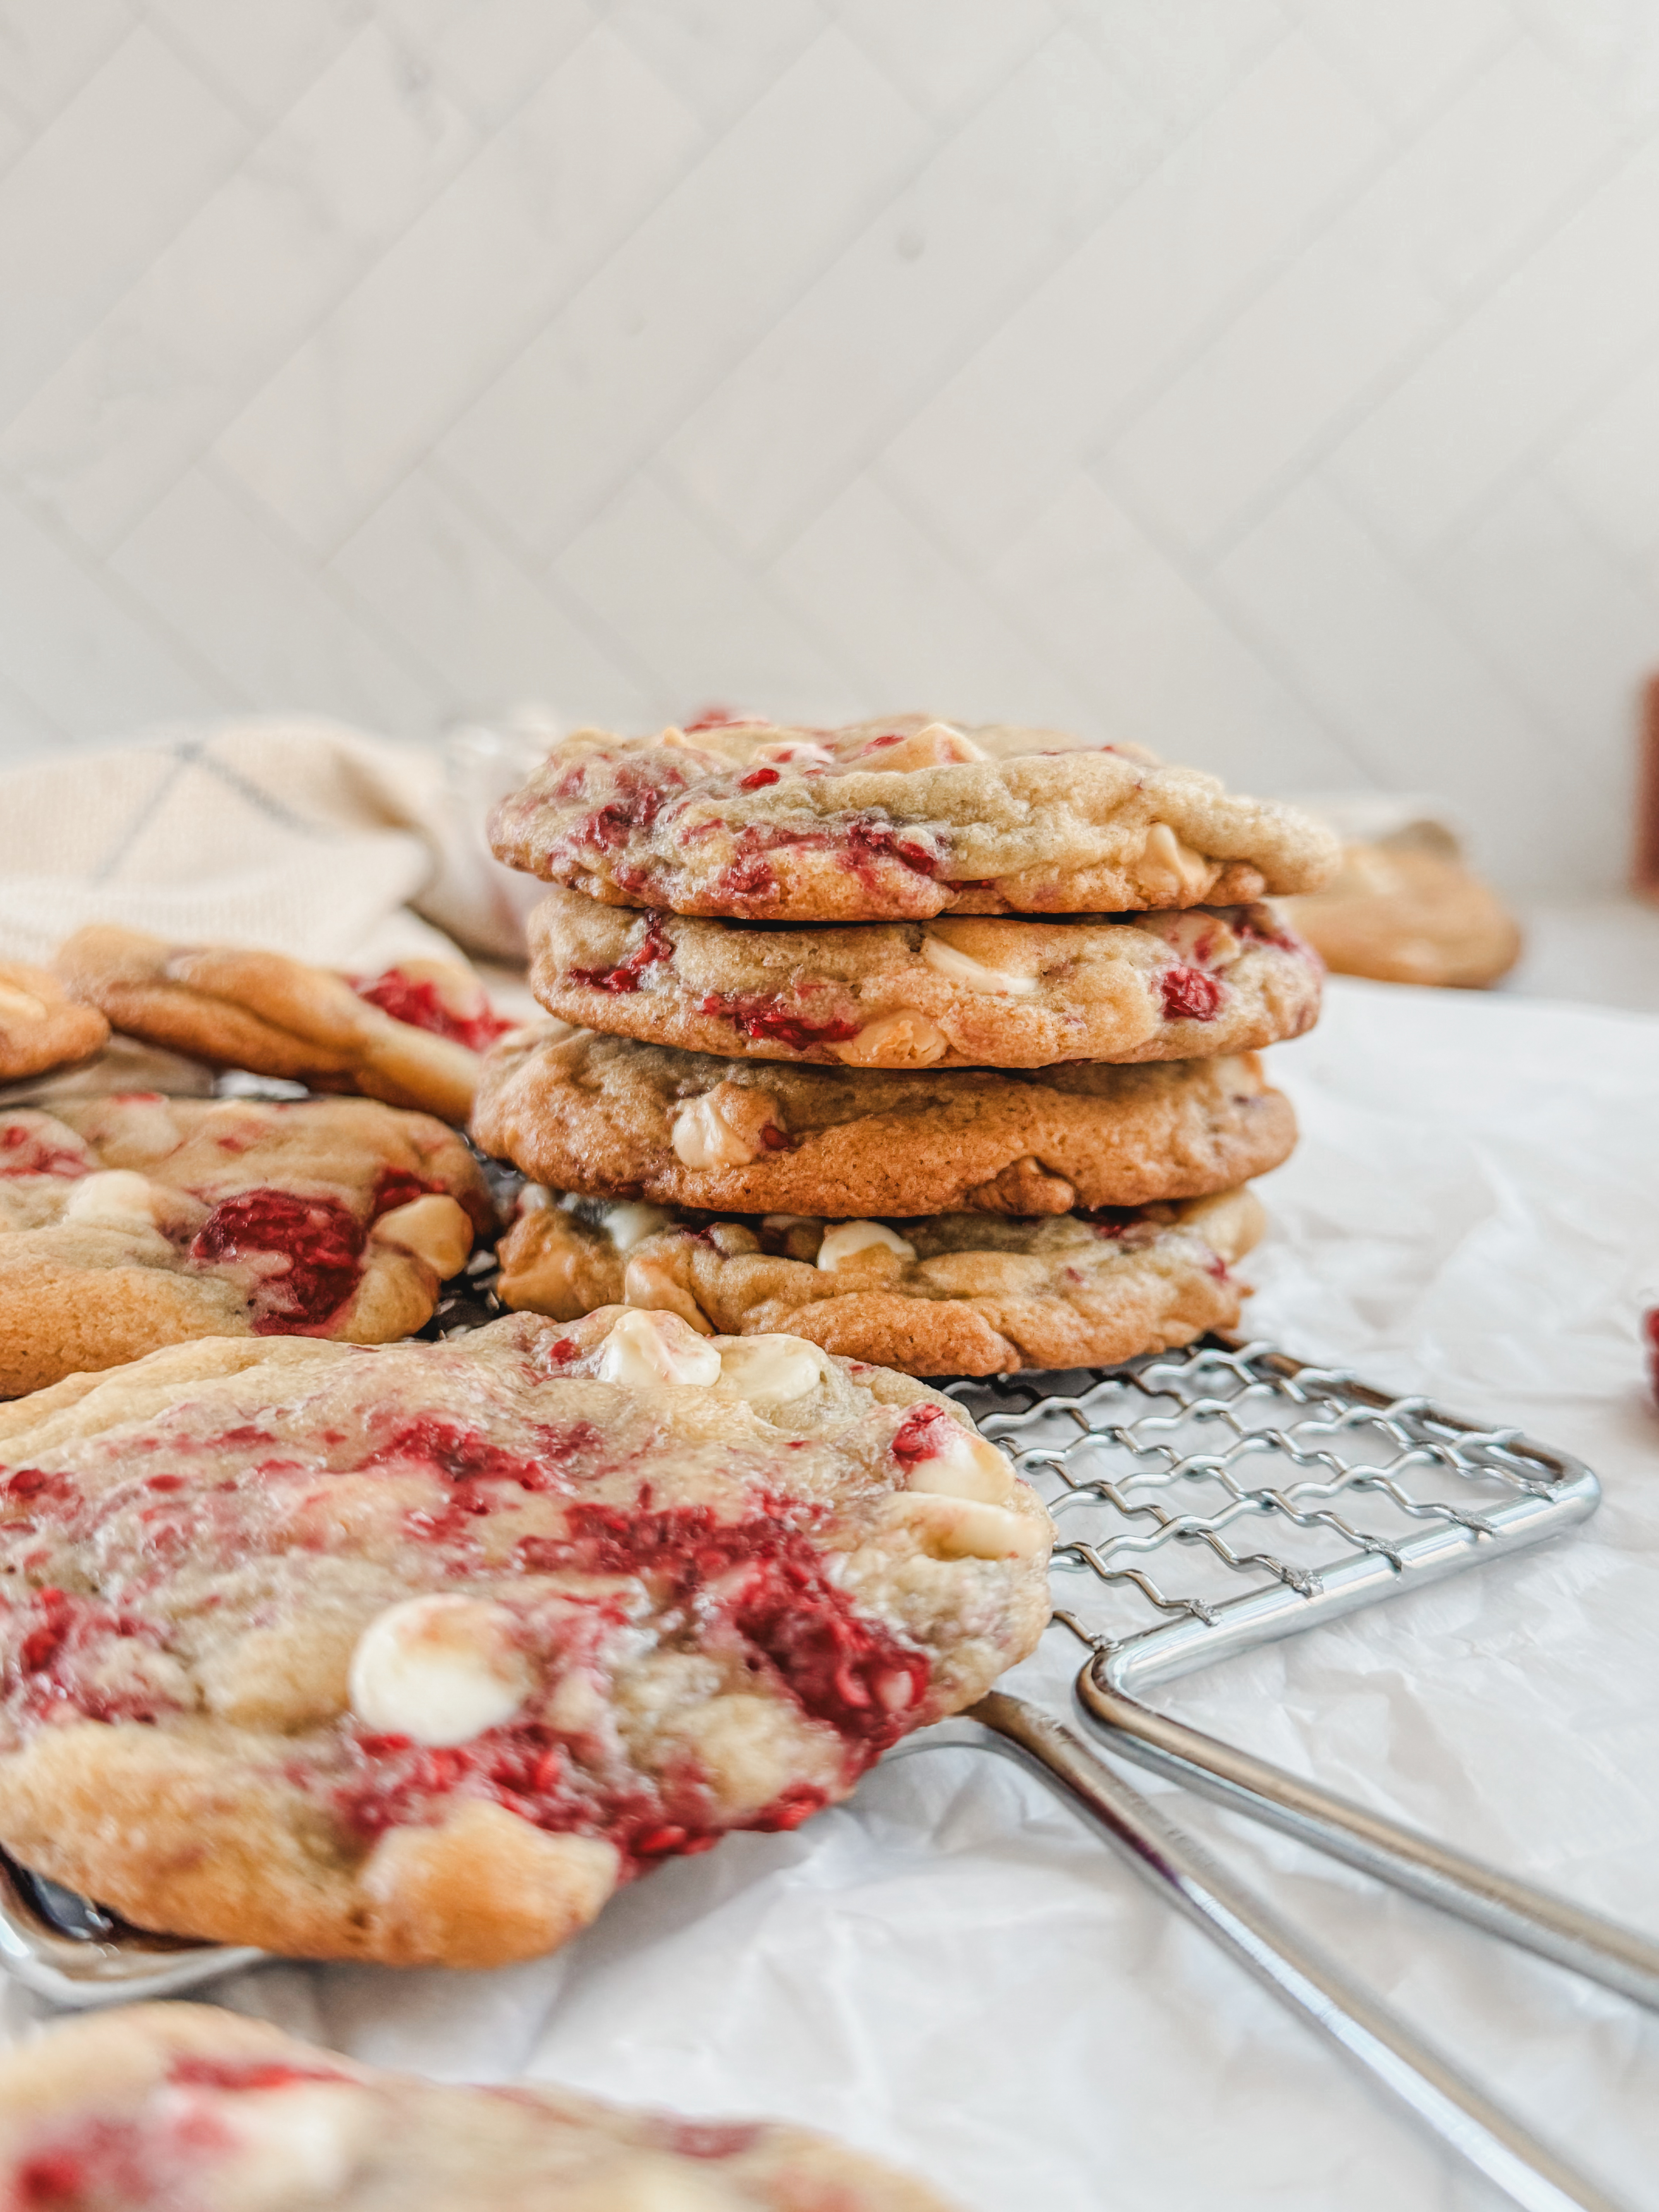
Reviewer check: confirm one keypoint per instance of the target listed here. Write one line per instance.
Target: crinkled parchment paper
(950, 1972)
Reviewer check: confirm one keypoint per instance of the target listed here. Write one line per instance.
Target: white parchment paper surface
(951, 1972)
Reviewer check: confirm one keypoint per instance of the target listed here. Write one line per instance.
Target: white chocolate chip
(846, 1237)
(627, 1223)
(20, 1006)
(965, 1466)
(645, 1349)
(535, 1198)
(441, 1670)
(773, 1367)
(120, 1198)
(295, 2142)
(973, 975)
(704, 1137)
(903, 1040)
(1167, 869)
(434, 1229)
(967, 1528)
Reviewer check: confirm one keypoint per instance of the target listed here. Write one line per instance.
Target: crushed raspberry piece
(417, 1002)
(58, 1653)
(764, 1578)
(870, 838)
(774, 1139)
(750, 877)
(235, 2074)
(1190, 995)
(26, 1152)
(653, 948)
(757, 779)
(1651, 1332)
(756, 1016)
(321, 1242)
(924, 1433)
(711, 2138)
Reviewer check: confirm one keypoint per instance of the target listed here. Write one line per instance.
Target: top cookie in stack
(739, 895)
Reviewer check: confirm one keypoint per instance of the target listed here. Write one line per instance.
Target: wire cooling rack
(1210, 1499)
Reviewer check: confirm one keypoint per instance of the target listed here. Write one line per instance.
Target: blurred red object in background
(1644, 874)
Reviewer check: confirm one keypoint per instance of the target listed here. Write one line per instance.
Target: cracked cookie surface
(1189, 984)
(611, 1117)
(952, 1294)
(411, 1038)
(902, 818)
(186, 2108)
(135, 1221)
(417, 1653)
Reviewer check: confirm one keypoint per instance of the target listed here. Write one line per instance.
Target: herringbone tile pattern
(1276, 380)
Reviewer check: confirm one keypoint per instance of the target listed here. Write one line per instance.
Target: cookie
(40, 1027)
(1190, 985)
(899, 819)
(1406, 911)
(185, 2108)
(130, 1222)
(415, 1653)
(953, 1294)
(411, 1038)
(614, 1119)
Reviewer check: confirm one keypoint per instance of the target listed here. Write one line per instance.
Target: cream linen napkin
(284, 831)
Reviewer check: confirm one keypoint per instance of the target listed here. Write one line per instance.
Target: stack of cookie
(934, 1046)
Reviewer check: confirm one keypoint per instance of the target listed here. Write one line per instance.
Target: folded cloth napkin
(283, 831)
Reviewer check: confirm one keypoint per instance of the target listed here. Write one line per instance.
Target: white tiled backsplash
(1276, 381)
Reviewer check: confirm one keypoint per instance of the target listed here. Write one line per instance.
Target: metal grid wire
(1211, 1498)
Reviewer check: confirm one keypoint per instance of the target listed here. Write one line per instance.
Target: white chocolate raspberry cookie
(902, 818)
(953, 1294)
(411, 1038)
(415, 1653)
(40, 1027)
(1191, 985)
(185, 2108)
(1408, 911)
(130, 1222)
(614, 1119)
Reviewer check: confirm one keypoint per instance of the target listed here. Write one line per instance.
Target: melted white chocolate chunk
(434, 1229)
(847, 1237)
(777, 1367)
(965, 1466)
(973, 975)
(120, 1198)
(439, 1669)
(967, 1528)
(704, 1138)
(645, 1349)
(903, 1040)
(1167, 869)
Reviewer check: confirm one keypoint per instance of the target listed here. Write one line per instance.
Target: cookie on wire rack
(897, 819)
(614, 1118)
(185, 2108)
(415, 1653)
(135, 1221)
(951, 1294)
(957, 992)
